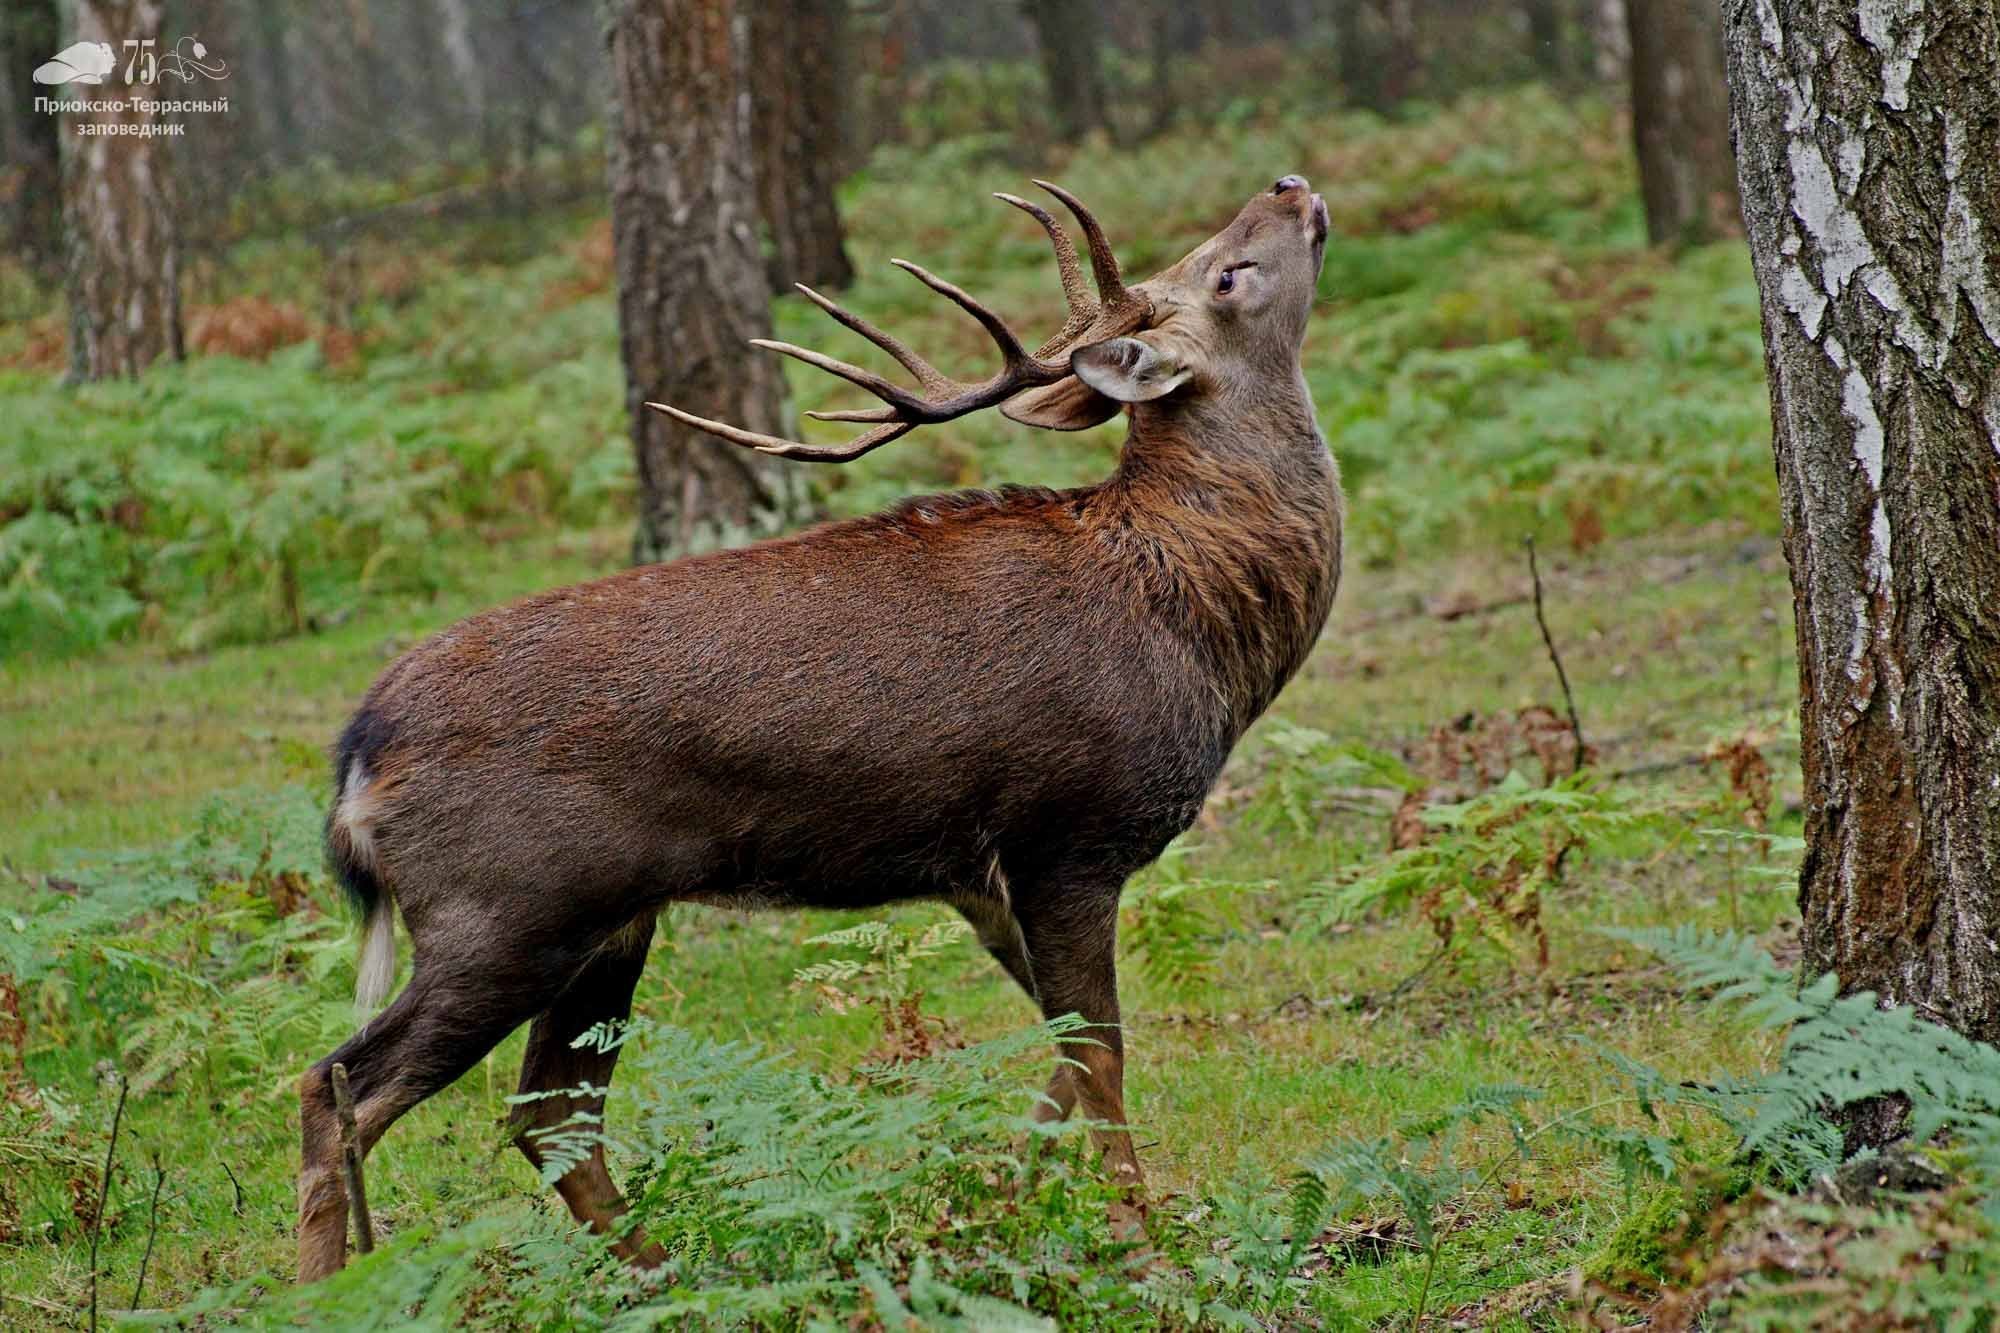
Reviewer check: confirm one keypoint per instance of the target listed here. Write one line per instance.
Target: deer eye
(1226, 282)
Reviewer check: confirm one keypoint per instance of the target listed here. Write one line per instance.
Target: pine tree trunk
(797, 98)
(118, 206)
(1868, 143)
(1069, 35)
(691, 288)
(1680, 121)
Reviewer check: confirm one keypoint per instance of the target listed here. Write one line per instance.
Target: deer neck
(1232, 512)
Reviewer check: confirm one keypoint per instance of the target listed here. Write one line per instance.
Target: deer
(1006, 701)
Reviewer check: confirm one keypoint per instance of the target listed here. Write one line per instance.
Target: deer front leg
(1072, 950)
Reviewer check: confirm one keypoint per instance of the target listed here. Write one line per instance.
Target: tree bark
(30, 178)
(118, 205)
(1069, 35)
(691, 288)
(1680, 121)
(1868, 143)
(797, 94)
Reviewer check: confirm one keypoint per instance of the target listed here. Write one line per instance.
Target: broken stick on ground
(350, 1162)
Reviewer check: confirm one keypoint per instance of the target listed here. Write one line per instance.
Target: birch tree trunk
(118, 207)
(797, 96)
(1868, 143)
(1680, 120)
(691, 288)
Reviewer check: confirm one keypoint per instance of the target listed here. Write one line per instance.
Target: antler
(1114, 310)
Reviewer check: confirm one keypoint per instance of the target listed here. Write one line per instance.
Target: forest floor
(1490, 365)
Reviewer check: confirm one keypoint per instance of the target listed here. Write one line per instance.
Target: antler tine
(870, 414)
(927, 375)
(1068, 269)
(887, 390)
(783, 448)
(1103, 263)
(996, 328)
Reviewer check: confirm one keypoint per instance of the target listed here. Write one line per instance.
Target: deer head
(1230, 315)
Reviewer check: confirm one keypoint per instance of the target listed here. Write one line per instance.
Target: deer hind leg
(1072, 945)
(601, 992)
(450, 1015)
(989, 908)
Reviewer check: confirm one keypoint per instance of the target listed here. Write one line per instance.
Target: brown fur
(1010, 701)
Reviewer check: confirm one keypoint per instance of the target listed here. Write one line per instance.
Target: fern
(1838, 1050)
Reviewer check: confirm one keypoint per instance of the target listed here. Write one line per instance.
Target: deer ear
(1068, 404)
(1129, 370)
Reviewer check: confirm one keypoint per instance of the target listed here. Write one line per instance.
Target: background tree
(691, 286)
(118, 206)
(1069, 35)
(30, 196)
(1376, 44)
(1869, 151)
(1680, 121)
(797, 116)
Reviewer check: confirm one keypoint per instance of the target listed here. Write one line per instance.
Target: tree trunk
(1546, 38)
(1680, 121)
(30, 190)
(1375, 42)
(691, 287)
(1868, 142)
(796, 107)
(1069, 36)
(1610, 41)
(468, 73)
(118, 205)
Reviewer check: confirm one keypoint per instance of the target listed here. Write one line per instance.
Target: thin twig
(1569, 700)
(1409, 983)
(104, 1193)
(233, 1184)
(350, 1163)
(152, 1230)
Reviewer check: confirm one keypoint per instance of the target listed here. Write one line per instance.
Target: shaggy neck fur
(1231, 513)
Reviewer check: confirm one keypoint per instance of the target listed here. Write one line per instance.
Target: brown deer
(1009, 701)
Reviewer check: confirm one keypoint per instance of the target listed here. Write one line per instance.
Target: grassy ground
(1495, 357)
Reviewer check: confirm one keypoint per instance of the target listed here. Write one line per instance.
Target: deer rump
(872, 711)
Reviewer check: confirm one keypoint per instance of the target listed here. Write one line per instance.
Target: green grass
(1495, 356)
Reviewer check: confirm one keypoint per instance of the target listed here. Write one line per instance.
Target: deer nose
(1289, 183)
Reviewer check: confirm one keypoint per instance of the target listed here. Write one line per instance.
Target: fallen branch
(1569, 700)
(104, 1193)
(350, 1163)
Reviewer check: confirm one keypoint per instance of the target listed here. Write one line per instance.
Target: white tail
(376, 970)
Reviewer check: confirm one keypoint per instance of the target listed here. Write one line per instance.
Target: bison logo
(85, 62)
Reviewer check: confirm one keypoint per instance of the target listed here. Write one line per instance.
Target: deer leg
(450, 1015)
(1072, 945)
(601, 992)
(990, 911)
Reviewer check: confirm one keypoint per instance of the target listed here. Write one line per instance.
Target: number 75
(142, 58)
